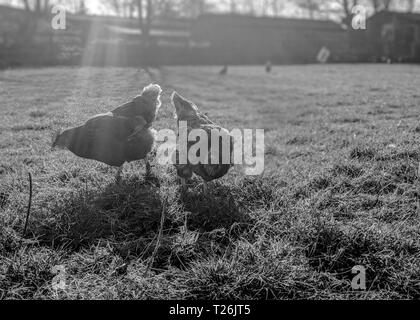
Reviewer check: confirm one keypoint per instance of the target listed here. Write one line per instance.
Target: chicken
(120, 136)
(268, 67)
(188, 111)
(224, 70)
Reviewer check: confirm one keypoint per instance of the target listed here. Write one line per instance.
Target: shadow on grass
(119, 212)
(127, 217)
(213, 209)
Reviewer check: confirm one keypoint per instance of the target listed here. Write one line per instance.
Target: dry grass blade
(28, 212)
(158, 240)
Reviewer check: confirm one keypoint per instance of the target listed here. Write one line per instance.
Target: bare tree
(265, 6)
(82, 7)
(411, 4)
(233, 6)
(145, 16)
(114, 6)
(250, 5)
(276, 7)
(311, 6)
(381, 5)
(26, 4)
(122, 8)
(38, 6)
(348, 6)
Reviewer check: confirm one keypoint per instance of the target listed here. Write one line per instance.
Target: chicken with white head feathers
(120, 136)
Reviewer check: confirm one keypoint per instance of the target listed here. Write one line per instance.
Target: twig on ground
(418, 186)
(29, 206)
(158, 240)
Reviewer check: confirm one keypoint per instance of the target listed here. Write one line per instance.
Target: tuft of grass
(30, 127)
(299, 140)
(362, 152)
(37, 114)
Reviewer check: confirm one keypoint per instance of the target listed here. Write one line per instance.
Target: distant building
(237, 39)
(27, 38)
(24, 37)
(394, 35)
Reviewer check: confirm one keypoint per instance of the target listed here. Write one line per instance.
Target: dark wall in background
(28, 39)
(243, 40)
(396, 35)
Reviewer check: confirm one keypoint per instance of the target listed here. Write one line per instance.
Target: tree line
(194, 8)
(146, 11)
(301, 8)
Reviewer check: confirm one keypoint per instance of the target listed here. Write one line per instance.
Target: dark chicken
(268, 67)
(188, 111)
(224, 70)
(120, 136)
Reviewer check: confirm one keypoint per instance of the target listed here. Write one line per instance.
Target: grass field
(340, 189)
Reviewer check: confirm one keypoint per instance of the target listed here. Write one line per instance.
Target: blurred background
(207, 32)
